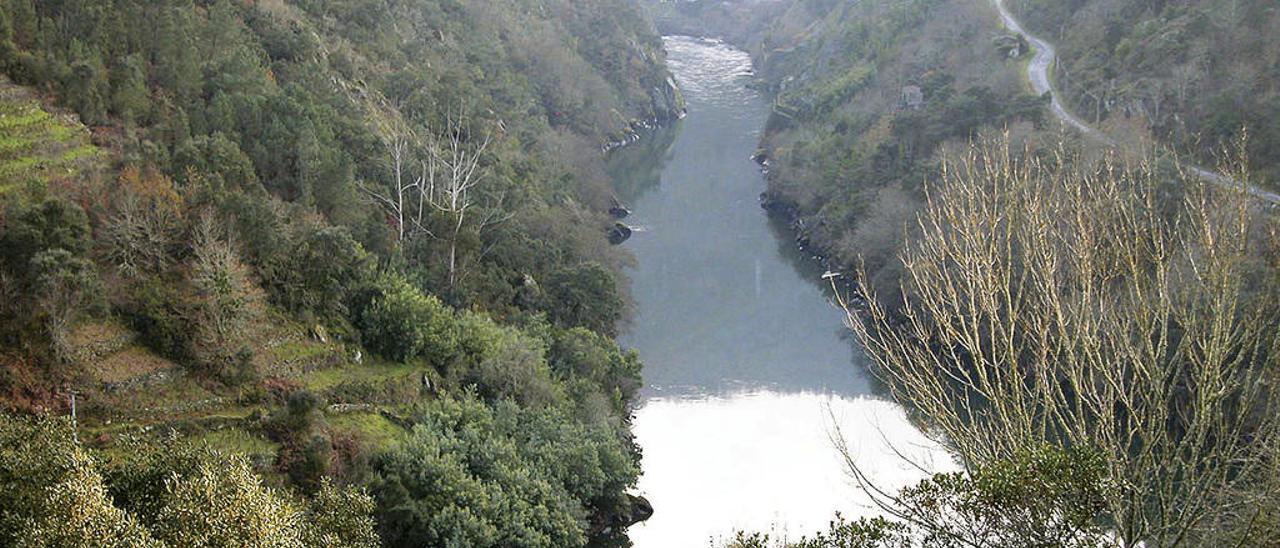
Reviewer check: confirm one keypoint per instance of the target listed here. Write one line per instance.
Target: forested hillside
(359, 244)
(867, 94)
(1193, 73)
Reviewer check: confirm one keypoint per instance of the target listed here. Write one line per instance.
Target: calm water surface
(747, 365)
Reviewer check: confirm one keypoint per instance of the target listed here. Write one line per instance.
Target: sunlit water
(748, 368)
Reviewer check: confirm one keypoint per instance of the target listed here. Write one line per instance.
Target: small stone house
(912, 98)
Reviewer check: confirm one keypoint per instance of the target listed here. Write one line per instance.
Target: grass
(236, 440)
(29, 116)
(131, 362)
(375, 371)
(370, 427)
(299, 350)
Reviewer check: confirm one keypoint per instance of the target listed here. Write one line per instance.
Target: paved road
(1038, 73)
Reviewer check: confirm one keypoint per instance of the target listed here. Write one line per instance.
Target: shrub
(471, 475)
(585, 295)
(402, 323)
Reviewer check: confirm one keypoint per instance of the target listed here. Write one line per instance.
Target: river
(747, 364)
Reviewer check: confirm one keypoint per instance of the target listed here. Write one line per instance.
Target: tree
(1091, 306)
(143, 227)
(65, 285)
(225, 504)
(405, 200)
(585, 295)
(340, 518)
(1045, 498)
(219, 161)
(402, 323)
(465, 478)
(453, 173)
(191, 495)
(53, 495)
(327, 267)
(227, 302)
(585, 354)
(448, 178)
(52, 224)
(130, 99)
(78, 513)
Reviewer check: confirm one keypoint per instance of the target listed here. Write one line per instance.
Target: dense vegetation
(348, 240)
(867, 94)
(1193, 73)
(56, 493)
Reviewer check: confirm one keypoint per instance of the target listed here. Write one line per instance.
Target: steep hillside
(349, 240)
(1194, 74)
(866, 95)
(39, 145)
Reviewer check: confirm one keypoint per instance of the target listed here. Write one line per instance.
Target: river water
(748, 368)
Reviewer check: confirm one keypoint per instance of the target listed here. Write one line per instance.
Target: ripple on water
(710, 71)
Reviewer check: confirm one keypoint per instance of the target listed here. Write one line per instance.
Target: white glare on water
(765, 460)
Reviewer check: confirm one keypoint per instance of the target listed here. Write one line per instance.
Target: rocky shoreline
(668, 106)
(839, 271)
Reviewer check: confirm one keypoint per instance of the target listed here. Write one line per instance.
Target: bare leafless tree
(452, 173)
(436, 179)
(1050, 303)
(404, 198)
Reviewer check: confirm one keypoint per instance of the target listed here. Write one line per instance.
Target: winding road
(1038, 73)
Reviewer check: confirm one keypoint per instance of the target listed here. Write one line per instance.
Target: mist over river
(747, 364)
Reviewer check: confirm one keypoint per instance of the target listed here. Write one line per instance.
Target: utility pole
(75, 435)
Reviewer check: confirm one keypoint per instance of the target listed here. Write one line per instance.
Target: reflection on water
(763, 460)
(719, 309)
(742, 349)
(638, 168)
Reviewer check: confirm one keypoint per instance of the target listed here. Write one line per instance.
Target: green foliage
(580, 353)
(868, 94)
(51, 224)
(340, 518)
(585, 295)
(226, 305)
(77, 512)
(157, 310)
(224, 504)
(875, 532)
(34, 455)
(242, 128)
(503, 362)
(1196, 73)
(402, 323)
(216, 159)
(51, 282)
(56, 494)
(65, 286)
(1042, 497)
(1047, 497)
(328, 267)
(239, 97)
(471, 475)
(193, 496)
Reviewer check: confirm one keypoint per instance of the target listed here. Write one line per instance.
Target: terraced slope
(37, 145)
